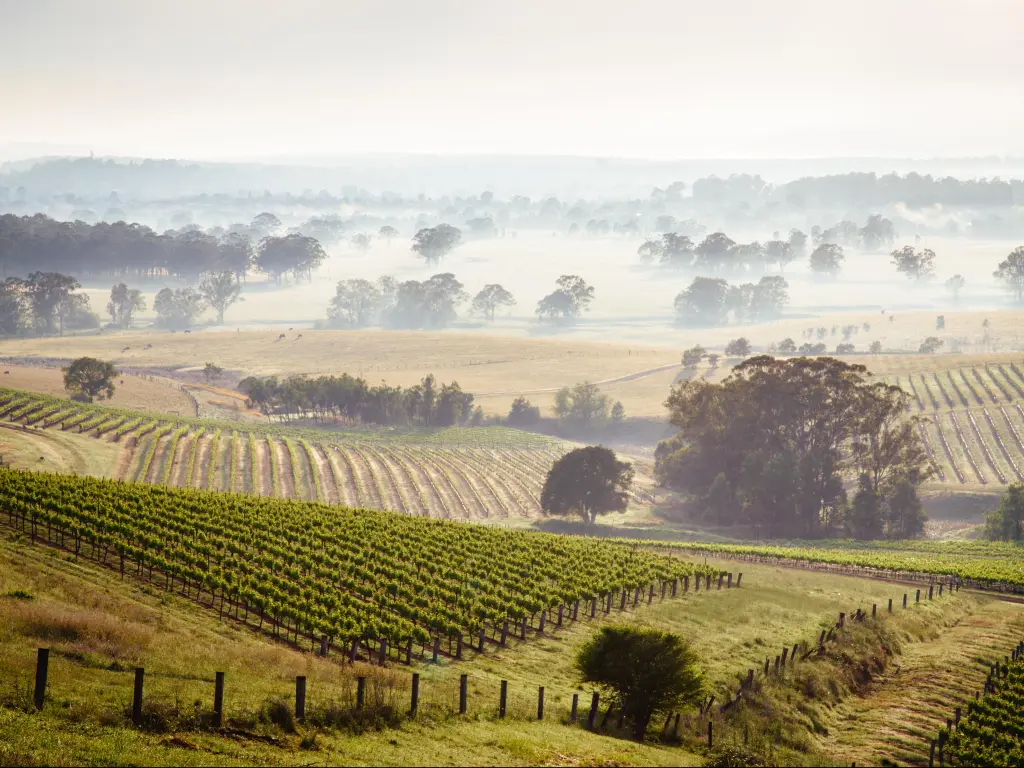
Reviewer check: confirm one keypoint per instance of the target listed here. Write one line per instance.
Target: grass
(56, 451)
(99, 628)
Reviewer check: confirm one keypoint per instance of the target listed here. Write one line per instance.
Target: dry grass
(54, 451)
(84, 631)
(130, 391)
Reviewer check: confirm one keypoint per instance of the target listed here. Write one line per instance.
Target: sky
(219, 79)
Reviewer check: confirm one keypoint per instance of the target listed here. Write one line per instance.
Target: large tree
(827, 259)
(788, 436)
(703, 303)
(48, 295)
(292, 254)
(587, 482)
(643, 671)
(954, 285)
(124, 303)
(1007, 522)
(490, 298)
(429, 304)
(434, 243)
(220, 291)
(355, 303)
(571, 298)
(177, 309)
(88, 378)
(915, 264)
(581, 406)
(1011, 273)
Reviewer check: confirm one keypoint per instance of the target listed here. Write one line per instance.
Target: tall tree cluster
(348, 399)
(798, 448)
(711, 301)
(43, 303)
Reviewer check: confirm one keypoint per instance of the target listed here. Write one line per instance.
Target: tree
(523, 413)
(434, 243)
(14, 306)
(787, 347)
(737, 348)
(676, 250)
(354, 303)
(779, 252)
(797, 242)
(48, 294)
(649, 250)
(489, 299)
(1007, 522)
(618, 412)
(177, 309)
(693, 356)
(713, 359)
(387, 233)
(875, 348)
(581, 406)
(846, 348)
(916, 265)
(930, 345)
(212, 372)
(790, 435)
(643, 671)
(236, 254)
(430, 304)
(361, 241)
(713, 250)
(954, 285)
(768, 297)
(865, 520)
(292, 254)
(124, 303)
(827, 259)
(87, 379)
(567, 302)
(1011, 273)
(266, 222)
(588, 482)
(876, 233)
(906, 517)
(703, 303)
(220, 291)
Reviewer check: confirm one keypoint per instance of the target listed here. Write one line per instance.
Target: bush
(523, 413)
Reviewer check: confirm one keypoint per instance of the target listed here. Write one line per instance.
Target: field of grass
(54, 451)
(99, 627)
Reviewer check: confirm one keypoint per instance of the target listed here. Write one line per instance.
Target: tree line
(798, 448)
(350, 400)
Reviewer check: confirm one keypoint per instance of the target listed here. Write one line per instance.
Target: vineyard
(441, 473)
(972, 421)
(981, 564)
(316, 574)
(993, 730)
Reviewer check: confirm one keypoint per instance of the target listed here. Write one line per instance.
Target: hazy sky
(667, 79)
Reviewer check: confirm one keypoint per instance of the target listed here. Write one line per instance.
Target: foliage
(787, 346)
(489, 299)
(220, 291)
(581, 406)
(124, 303)
(618, 414)
(930, 345)
(1007, 522)
(523, 413)
(693, 356)
(954, 285)
(587, 482)
(289, 255)
(991, 731)
(709, 301)
(786, 435)
(827, 259)
(430, 304)
(737, 348)
(178, 308)
(212, 372)
(567, 302)
(90, 378)
(434, 243)
(1011, 273)
(916, 265)
(646, 671)
(355, 304)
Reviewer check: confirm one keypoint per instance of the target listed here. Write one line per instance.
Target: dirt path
(408, 488)
(125, 455)
(203, 459)
(325, 469)
(283, 467)
(243, 483)
(262, 458)
(349, 485)
(389, 497)
(156, 464)
(222, 462)
(616, 380)
(180, 461)
(904, 709)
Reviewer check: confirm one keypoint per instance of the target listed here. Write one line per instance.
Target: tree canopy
(88, 379)
(587, 482)
(643, 671)
(581, 406)
(490, 298)
(774, 445)
(1011, 273)
(434, 243)
(124, 303)
(567, 302)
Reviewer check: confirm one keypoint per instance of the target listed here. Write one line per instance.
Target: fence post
(575, 705)
(729, 583)
(300, 698)
(650, 595)
(323, 645)
(42, 667)
(792, 656)
(711, 743)
(739, 578)
(890, 605)
(140, 674)
(218, 700)
(842, 620)
(458, 647)
(721, 578)
(540, 703)
(463, 685)
(523, 634)
(940, 589)
(504, 698)
(543, 621)
(874, 608)
(904, 599)
(957, 717)
(750, 678)
(930, 588)
(592, 716)
(360, 692)
(918, 600)
(558, 623)
(414, 704)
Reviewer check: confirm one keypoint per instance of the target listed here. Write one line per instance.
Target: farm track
(263, 470)
(203, 459)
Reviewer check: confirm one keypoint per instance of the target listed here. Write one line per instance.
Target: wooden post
(636, 597)
(675, 585)
(463, 685)
(686, 585)
(918, 600)
(42, 667)
(930, 588)
(360, 692)
(696, 583)
(608, 605)
(140, 675)
(842, 620)
(821, 640)
(218, 700)
(540, 703)
(721, 578)
(767, 664)
(874, 608)
(504, 633)
(857, 616)
(904, 599)
(300, 698)
(353, 651)
(384, 650)
(956, 720)
(785, 655)
(523, 633)
(414, 704)
(323, 645)
(675, 726)
(504, 698)
(739, 578)
(664, 585)
(729, 583)
(622, 602)
(711, 741)
(650, 595)
(940, 589)
(575, 705)
(777, 665)
(592, 716)
(437, 647)
(931, 755)
(890, 605)
(575, 609)
(707, 584)
(792, 656)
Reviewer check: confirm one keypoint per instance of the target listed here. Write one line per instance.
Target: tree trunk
(640, 726)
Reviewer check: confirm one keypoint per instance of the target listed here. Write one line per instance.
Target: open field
(99, 627)
(54, 451)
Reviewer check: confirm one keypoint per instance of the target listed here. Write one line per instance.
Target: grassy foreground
(99, 628)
